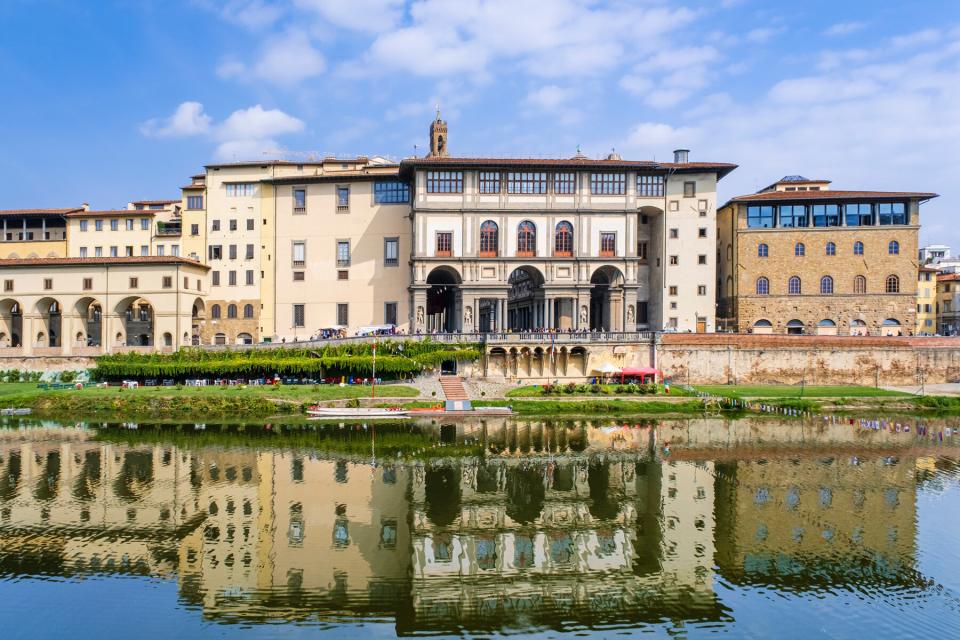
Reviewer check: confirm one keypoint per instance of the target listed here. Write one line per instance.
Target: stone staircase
(456, 396)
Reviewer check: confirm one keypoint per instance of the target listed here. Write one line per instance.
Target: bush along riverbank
(396, 359)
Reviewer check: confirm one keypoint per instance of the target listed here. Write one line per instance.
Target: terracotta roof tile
(20, 212)
(43, 262)
(112, 212)
(150, 202)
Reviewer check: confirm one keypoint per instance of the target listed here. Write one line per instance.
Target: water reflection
(499, 525)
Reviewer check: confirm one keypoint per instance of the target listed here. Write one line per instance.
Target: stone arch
(90, 312)
(524, 300)
(578, 361)
(826, 327)
(795, 327)
(891, 327)
(11, 320)
(858, 327)
(606, 299)
(167, 339)
(137, 315)
(763, 327)
(497, 361)
(49, 331)
(443, 300)
(244, 338)
(198, 316)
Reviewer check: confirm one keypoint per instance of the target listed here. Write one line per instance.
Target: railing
(167, 229)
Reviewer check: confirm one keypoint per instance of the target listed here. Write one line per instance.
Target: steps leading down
(455, 394)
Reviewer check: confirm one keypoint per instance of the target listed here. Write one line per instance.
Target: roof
(926, 267)
(49, 262)
(948, 277)
(721, 168)
(774, 196)
(194, 186)
(21, 212)
(112, 212)
(336, 176)
(149, 202)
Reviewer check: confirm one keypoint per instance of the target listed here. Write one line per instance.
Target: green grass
(796, 391)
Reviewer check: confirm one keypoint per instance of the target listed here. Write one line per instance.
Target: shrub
(594, 388)
(547, 389)
(632, 388)
(570, 387)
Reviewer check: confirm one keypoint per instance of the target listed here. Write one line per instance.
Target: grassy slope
(794, 391)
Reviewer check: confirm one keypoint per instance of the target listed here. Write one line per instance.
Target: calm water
(747, 528)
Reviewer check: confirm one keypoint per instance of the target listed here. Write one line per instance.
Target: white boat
(356, 412)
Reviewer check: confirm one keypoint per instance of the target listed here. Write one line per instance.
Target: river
(696, 527)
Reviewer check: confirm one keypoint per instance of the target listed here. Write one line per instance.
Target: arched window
(831, 249)
(793, 286)
(893, 248)
(858, 248)
(893, 284)
(489, 239)
(763, 286)
(763, 250)
(799, 250)
(860, 284)
(526, 239)
(563, 242)
(826, 286)
(215, 312)
(231, 311)
(248, 311)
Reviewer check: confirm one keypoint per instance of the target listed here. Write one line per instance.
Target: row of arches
(526, 239)
(829, 327)
(216, 311)
(537, 362)
(829, 249)
(827, 285)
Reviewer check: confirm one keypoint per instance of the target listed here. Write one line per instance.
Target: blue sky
(111, 100)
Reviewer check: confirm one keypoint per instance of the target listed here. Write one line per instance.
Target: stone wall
(754, 359)
(41, 363)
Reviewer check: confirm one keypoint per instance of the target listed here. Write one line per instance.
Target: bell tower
(438, 137)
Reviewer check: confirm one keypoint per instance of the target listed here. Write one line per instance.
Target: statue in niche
(629, 313)
(468, 315)
(419, 315)
(583, 314)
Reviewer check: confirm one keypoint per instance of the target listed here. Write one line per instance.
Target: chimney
(85, 206)
(681, 155)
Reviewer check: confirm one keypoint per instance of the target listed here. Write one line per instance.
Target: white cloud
(360, 15)
(648, 137)
(682, 72)
(555, 100)
(763, 34)
(188, 120)
(844, 28)
(288, 59)
(251, 14)
(917, 38)
(245, 134)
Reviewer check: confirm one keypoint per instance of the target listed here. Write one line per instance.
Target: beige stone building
(948, 304)
(927, 300)
(798, 257)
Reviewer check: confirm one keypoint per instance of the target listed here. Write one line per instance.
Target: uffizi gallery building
(283, 250)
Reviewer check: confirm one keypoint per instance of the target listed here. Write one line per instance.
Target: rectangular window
(760, 217)
(215, 278)
(444, 182)
(194, 202)
(249, 276)
(160, 250)
(87, 284)
(488, 182)
(128, 251)
(214, 225)
(186, 283)
(565, 183)
(175, 250)
(674, 233)
(233, 224)
(343, 314)
(608, 184)
(444, 243)
(702, 232)
(167, 282)
(858, 215)
(83, 225)
(299, 253)
(343, 198)
(114, 224)
(792, 216)
(299, 200)
(642, 249)
(608, 244)
(129, 224)
(390, 313)
(650, 186)
(114, 252)
(391, 192)
(825, 215)
(673, 291)
(239, 189)
(249, 224)
(134, 283)
(689, 189)
(343, 253)
(98, 252)
(232, 278)
(248, 254)
(98, 225)
(233, 251)
(83, 252)
(194, 229)
(8, 285)
(701, 289)
(215, 252)
(526, 182)
(299, 313)
(391, 252)
(298, 276)
(674, 260)
(144, 224)
(892, 213)
(47, 284)
(343, 274)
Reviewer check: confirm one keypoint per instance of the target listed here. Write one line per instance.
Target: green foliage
(395, 359)
(15, 375)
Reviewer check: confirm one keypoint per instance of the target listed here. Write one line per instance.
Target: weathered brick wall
(755, 359)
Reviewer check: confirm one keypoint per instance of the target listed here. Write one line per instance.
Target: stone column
(27, 335)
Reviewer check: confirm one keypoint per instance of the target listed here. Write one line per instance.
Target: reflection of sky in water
(556, 526)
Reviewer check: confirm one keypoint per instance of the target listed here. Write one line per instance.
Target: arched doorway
(11, 316)
(197, 317)
(138, 321)
(91, 315)
(525, 309)
(606, 299)
(244, 338)
(51, 323)
(892, 327)
(443, 300)
(795, 328)
(826, 327)
(858, 327)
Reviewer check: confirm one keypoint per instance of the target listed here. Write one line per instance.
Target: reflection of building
(805, 524)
